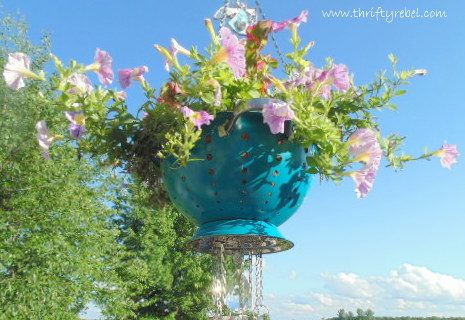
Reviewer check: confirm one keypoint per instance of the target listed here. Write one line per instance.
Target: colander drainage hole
(266, 202)
(211, 172)
(245, 136)
(245, 154)
(276, 173)
(270, 194)
(244, 170)
(279, 158)
(183, 178)
(209, 156)
(218, 201)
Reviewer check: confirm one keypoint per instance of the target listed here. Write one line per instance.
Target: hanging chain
(219, 280)
(275, 42)
(227, 3)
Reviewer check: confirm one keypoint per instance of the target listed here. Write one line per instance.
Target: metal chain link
(227, 3)
(275, 42)
(219, 280)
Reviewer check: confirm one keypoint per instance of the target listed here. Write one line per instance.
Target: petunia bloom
(364, 180)
(449, 154)
(232, 52)
(17, 69)
(365, 148)
(81, 84)
(174, 50)
(77, 127)
(280, 26)
(126, 76)
(103, 66)
(121, 95)
(44, 137)
(338, 77)
(199, 118)
(275, 114)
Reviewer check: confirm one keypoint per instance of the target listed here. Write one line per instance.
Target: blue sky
(400, 251)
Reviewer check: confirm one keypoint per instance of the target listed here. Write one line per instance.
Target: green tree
(56, 241)
(164, 280)
(69, 234)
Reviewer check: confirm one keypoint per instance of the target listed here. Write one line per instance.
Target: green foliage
(56, 242)
(163, 280)
(69, 233)
(370, 315)
(323, 121)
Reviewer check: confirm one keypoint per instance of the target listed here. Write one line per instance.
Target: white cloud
(407, 291)
(421, 283)
(350, 284)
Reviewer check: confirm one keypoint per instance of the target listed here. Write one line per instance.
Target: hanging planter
(247, 183)
(237, 188)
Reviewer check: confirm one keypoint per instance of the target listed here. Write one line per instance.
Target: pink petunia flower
(77, 127)
(199, 118)
(121, 95)
(174, 50)
(17, 69)
(280, 26)
(364, 180)
(81, 84)
(449, 154)
(105, 69)
(232, 52)
(275, 114)
(44, 137)
(126, 76)
(365, 148)
(339, 77)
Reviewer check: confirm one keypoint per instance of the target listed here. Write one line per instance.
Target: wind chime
(250, 182)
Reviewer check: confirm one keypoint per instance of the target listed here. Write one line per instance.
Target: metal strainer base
(239, 235)
(233, 243)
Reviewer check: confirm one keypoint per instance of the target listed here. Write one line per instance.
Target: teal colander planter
(248, 183)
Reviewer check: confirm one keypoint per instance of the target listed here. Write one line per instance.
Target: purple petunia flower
(365, 148)
(81, 84)
(339, 77)
(449, 154)
(105, 70)
(280, 26)
(77, 127)
(364, 180)
(232, 52)
(199, 118)
(275, 114)
(126, 76)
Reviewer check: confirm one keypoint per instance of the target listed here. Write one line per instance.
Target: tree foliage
(56, 241)
(370, 315)
(69, 233)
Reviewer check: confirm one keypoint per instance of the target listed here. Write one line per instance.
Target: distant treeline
(370, 315)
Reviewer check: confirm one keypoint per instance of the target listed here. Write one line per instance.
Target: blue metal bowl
(247, 183)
